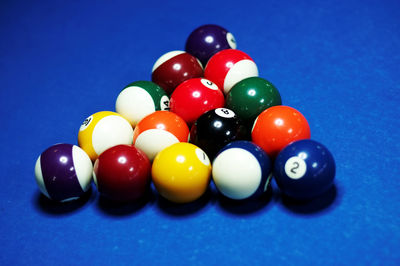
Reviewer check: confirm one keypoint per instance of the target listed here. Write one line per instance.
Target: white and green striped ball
(140, 99)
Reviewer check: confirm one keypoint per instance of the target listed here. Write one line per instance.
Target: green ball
(249, 97)
(140, 99)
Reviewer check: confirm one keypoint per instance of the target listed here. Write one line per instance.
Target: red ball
(278, 126)
(194, 97)
(122, 173)
(228, 67)
(173, 68)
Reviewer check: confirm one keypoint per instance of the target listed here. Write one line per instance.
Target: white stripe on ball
(134, 103)
(39, 178)
(111, 131)
(152, 141)
(166, 57)
(236, 173)
(83, 167)
(241, 70)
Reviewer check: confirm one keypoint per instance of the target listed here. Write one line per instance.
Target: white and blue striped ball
(241, 170)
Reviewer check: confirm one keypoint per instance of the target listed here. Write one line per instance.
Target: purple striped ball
(63, 172)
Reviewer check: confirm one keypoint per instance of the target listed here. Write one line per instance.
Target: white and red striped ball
(228, 67)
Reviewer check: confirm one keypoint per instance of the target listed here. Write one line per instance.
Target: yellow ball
(181, 172)
(104, 130)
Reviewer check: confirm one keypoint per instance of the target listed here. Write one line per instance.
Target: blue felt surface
(335, 61)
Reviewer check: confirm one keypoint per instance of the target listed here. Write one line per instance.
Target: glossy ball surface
(251, 96)
(103, 130)
(173, 68)
(194, 97)
(207, 40)
(241, 170)
(215, 129)
(278, 126)
(122, 173)
(158, 131)
(181, 172)
(304, 169)
(139, 99)
(228, 67)
(63, 172)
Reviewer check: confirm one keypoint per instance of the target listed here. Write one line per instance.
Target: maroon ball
(122, 173)
(173, 68)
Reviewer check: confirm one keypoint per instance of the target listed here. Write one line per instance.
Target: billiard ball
(63, 172)
(158, 131)
(278, 126)
(215, 129)
(103, 130)
(173, 68)
(139, 99)
(249, 97)
(207, 40)
(241, 170)
(228, 67)
(122, 173)
(304, 169)
(194, 97)
(181, 172)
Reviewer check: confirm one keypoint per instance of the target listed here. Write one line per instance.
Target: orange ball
(159, 130)
(278, 126)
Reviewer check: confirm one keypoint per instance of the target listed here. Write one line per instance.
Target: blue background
(338, 62)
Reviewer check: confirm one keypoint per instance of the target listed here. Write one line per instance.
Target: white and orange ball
(104, 130)
(158, 131)
(228, 67)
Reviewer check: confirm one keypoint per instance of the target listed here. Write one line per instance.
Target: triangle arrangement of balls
(206, 115)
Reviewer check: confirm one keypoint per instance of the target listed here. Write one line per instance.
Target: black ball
(215, 129)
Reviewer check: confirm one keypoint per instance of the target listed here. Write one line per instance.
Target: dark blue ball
(304, 169)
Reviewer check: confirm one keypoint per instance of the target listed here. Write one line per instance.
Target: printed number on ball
(86, 123)
(164, 103)
(223, 112)
(209, 84)
(295, 167)
(202, 156)
(231, 40)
